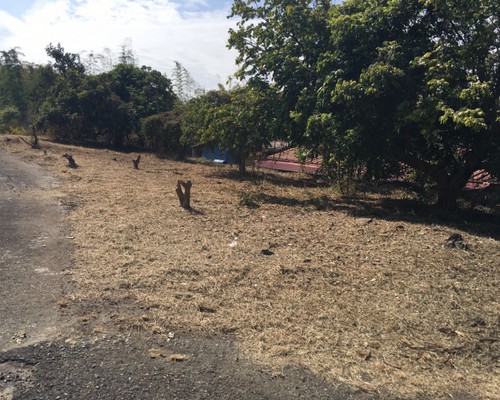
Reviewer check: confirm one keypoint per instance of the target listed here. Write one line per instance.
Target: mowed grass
(359, 290)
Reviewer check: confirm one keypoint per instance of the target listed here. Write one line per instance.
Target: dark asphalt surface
(44, 355)
(119, 367)
(34, 252)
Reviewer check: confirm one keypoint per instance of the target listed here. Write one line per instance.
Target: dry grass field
(360, 290)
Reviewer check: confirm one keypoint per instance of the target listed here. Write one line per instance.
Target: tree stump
(71, 160)
(137, 161)
(35, 144)
(184, 197)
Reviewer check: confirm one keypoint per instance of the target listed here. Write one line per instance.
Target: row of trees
(368, 85)
(65, 101)
(134, 105)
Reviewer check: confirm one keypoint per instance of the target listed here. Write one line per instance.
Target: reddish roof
(288, 166)
(287, 160)
(481, 179)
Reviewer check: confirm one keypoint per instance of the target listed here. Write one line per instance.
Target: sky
(192, 32)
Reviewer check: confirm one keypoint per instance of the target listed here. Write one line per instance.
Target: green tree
(281, 41)
(11, 83)
(162, 132)
(64, 61)
(59, 112)
(396, 81)
(106, 107)
(241, 121)
(9, 117)
(145, 92)
(39, 81)
(200, 112)
(247, 123)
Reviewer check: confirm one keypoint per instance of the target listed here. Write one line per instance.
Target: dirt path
(45, 354)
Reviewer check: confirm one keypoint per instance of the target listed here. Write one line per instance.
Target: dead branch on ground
(34, 143)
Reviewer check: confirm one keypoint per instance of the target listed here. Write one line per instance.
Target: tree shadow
(484, 223)
(283, 179)
(473, 221)
(320, 203)
(195, 211)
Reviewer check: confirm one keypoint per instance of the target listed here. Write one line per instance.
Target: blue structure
(217, 155)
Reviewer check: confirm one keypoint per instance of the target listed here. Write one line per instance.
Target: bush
(9, 118)
(162, 132)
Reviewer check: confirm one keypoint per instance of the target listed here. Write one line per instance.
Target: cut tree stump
(71, 160)
(184, 197)
(35, 144)
(137, 161)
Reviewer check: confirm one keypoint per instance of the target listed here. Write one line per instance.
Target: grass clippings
(355, 292)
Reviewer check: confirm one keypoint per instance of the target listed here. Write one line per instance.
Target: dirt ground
(46, 354)
(359, 290)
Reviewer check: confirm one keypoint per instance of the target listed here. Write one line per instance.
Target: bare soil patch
(353, 289)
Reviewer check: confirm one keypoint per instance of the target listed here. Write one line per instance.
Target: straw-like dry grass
(350, 291)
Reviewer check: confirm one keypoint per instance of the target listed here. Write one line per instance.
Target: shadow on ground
(128, 367)
(384, 203)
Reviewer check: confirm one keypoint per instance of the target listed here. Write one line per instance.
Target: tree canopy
(241, 121)
(383, 82)
(106, 107)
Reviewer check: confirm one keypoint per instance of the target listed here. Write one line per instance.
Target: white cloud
(9, 23)
(160, 33)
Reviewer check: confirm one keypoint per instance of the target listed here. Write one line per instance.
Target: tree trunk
(35, 144)
(450, 187)
(242, 166)
(184, 197)
(447, 198)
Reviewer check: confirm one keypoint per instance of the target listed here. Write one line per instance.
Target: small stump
(35, 144)
(184, 196)
(137, 161)
(71, 161)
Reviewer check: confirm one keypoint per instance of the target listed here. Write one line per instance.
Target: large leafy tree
(39, 81)
(247, 123)
(60, 112)
(85, 110)
(241, 121)
(397, 81)
(200, 113)
(281, 41)
(144, 90)
(63, 98)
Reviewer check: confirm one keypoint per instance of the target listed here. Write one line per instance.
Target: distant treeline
(63, 100)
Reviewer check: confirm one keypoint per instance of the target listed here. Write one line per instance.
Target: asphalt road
(44, 354)
(34, 253)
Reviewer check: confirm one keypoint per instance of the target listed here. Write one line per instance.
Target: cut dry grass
(376, 302)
